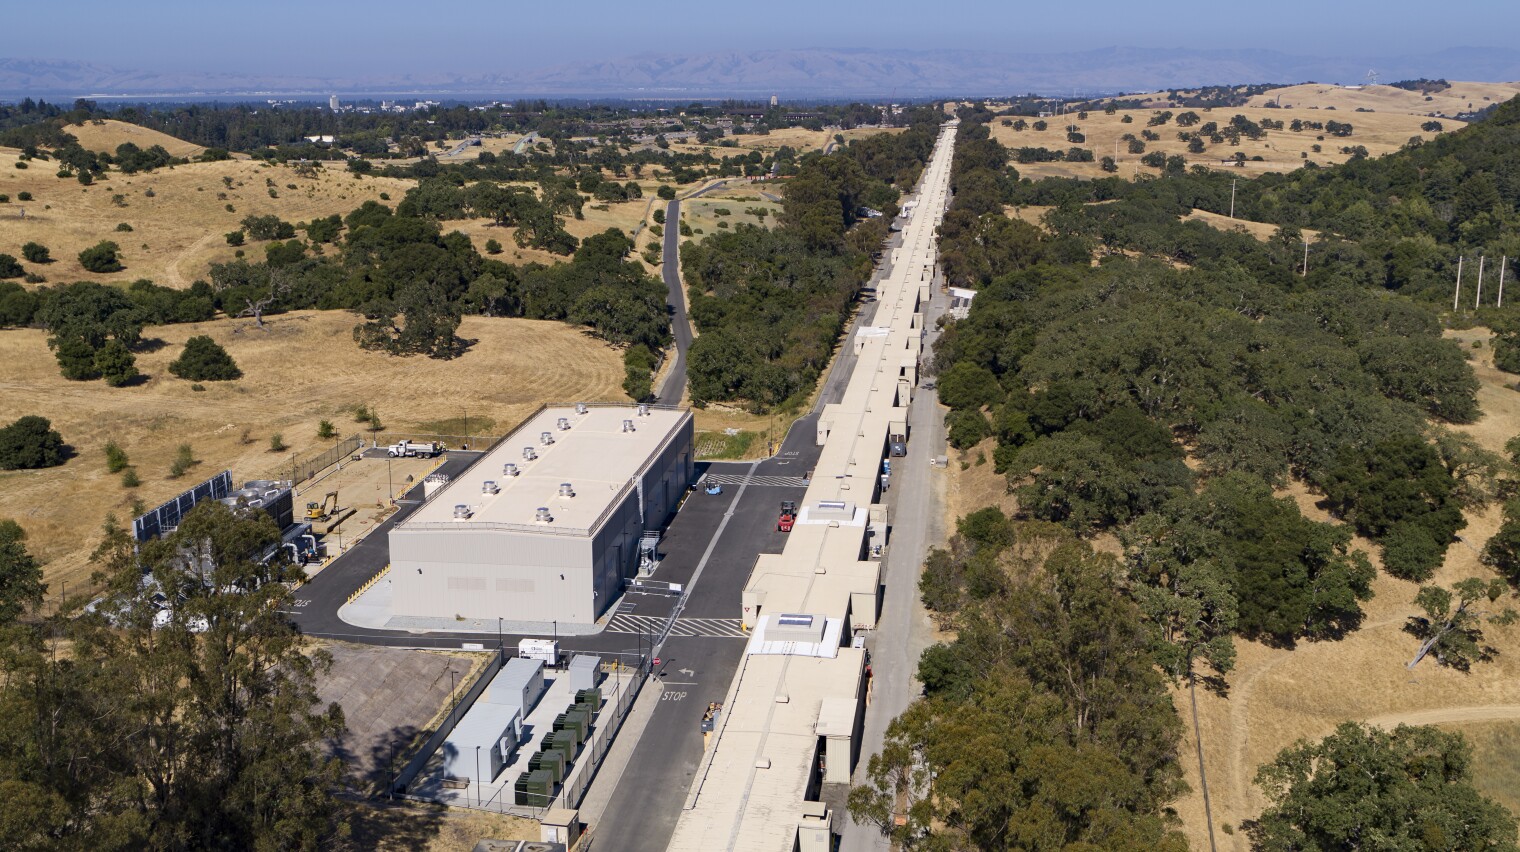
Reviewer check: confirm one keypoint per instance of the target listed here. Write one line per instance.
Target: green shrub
(277, 443)
(35, 252)
(205, 361)
(101, 257)
(10, 267)
(23, 196)
(130, 479)
(184, 459)
(116, 457)
(29, 443)
(116, 364)
(325, 430)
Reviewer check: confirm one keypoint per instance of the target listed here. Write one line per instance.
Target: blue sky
(420, 36)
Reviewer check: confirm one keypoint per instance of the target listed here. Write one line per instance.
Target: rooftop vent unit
(462, 512)
(563, 423)
(565, 490)
(542, 516)
(627, 425)
(546, 438)
(580, 408)
(643, 410)
(529, 453)
(489, 487)
(509, 469)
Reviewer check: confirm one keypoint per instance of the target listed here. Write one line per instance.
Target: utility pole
(1479, 298)
(1305, 273)
(1233, 181)
(1459, 284)
(1503, 262)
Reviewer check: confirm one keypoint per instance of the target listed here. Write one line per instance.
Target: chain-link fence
(301, 468)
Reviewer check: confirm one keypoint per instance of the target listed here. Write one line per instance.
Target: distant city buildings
(332, 103)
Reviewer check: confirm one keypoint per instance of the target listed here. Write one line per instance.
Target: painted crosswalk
(648, 625)
(778, 481)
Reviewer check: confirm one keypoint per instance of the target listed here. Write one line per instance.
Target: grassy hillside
(302, 370)
(1281, 150)
(178, 230)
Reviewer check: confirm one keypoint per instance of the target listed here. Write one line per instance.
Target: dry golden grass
(622, 216)
(412, 827)
(1278, 696)
(701, 213)
(105, 134)
(1461, 97)
(177, 233)
(797, 138)
(303, 369)
(1260, 230)
(1379, 132)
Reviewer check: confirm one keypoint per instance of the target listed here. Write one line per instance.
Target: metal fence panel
(299, 470)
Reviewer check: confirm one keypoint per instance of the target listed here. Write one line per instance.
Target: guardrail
(370, 582)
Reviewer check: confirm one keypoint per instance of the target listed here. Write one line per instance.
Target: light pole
(477, 776)
(390, 486)
(498, 632)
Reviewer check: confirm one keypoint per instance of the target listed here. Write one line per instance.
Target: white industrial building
(547, 525)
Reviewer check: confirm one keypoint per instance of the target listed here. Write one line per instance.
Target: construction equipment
(322, 511)
(788, 516)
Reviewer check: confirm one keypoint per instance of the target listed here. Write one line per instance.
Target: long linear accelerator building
(793, 715)
(547, 525)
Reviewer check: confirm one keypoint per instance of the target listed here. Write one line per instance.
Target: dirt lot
(179, 230)
(408, 827)
(303, 369)
(1281, 150)
(389, 696)
(366, 487)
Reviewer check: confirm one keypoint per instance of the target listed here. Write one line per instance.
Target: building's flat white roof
(594, 455)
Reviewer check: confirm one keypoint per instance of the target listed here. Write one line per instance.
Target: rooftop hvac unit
(542, 516)
(643, 410)
(509, 469)
(529, 453)
(462, 512)
(565, 490)
(546, 438)
(580, 408)
(489, 487)
(627, 425)
(563, 423)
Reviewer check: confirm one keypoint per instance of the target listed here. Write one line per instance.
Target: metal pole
(477, 776)
(1233, 181)
(1459, 284)
(1479, 298)
(1503, 262)
(498, 633)
(1306, 260)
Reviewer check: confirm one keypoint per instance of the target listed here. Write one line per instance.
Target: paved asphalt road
(675, 381)
(650, 794)
(674, 386)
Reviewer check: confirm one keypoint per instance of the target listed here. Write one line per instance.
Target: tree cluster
(182, 713)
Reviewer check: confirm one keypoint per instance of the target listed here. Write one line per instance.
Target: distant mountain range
(811, 73)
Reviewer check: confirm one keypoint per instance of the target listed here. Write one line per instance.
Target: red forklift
(787, 517)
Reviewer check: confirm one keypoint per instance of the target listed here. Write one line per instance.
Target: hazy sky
(421, 36)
